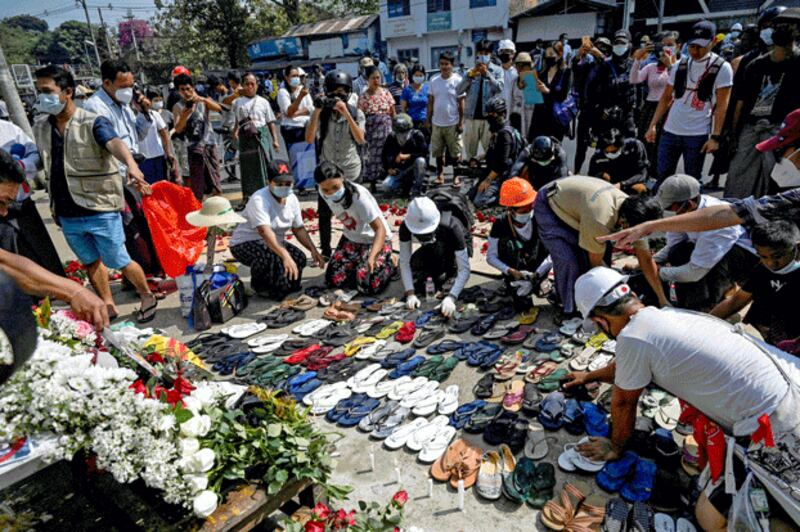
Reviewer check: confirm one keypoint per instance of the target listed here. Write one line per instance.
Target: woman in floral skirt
(378, 105)
(363, 258)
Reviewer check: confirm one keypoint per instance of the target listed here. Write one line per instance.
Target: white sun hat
(216, 210)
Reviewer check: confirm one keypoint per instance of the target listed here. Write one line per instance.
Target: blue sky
(63, 10)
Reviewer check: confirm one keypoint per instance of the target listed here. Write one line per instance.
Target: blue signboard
(440, 21)
(268, 48)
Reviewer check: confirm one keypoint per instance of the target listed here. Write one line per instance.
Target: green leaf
(182, 415)
(274, 430)
(362, 506)
(282, 476)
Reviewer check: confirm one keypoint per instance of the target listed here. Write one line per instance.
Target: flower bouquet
(370, 517)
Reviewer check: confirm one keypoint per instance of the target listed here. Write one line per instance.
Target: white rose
(166, 423)
(204, 503)
(188, 446)
(205, 395)
(196, 482)
(197, 425)
(201, 461)
(192, 404)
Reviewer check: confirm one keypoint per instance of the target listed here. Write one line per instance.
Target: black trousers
(267, 274)
(582, 139)
(434, 261)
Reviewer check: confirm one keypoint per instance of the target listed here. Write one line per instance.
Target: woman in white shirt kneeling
(363, 258)
(276, 266)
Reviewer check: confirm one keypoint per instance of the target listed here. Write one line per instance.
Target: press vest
(91, 172)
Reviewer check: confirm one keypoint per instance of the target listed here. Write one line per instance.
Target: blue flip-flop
(613, 475)
(595, 420)
(407, 367)
(301, 384)
(444, 346)
(551, 411)
(549, 342)
(393, 360)
(357, 412)
(476, 353)
(463, 413)
(639, 486)
(424, 318)
(488, 358)
(573, 418)
(343, 406)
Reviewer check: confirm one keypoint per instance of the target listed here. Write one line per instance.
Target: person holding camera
(339, 127)
(194, 127)
(254, 128)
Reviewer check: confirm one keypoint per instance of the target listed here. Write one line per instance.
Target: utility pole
(105, 32)
(10, 95)
(660, 15)
(91, 32)
(129, 18)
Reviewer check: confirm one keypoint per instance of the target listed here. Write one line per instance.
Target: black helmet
(402, 123)
(543, 149)
(496, 105)
(612, 137)
(338, 78)
(769, 14)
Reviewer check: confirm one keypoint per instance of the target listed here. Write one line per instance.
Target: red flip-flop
(406, 332)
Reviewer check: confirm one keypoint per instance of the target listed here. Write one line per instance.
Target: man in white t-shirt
(696, 101)
(703, 265)
(445, 115)
(731, 378)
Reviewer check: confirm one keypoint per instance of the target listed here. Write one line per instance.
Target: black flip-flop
(146, 315)
(483, 388)
(463, 325)
(428, 336)
(483, 325)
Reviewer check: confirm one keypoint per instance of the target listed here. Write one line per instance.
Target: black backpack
(705, 86)
(456, 204)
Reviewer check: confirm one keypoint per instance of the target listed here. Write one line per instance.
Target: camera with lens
(324, 101)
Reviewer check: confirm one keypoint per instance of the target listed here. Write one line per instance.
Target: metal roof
(332, 26)
(518, 8)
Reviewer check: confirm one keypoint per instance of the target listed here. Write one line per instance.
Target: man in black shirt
(541, 162)
(504, 145)
(404, 157)
(611, 97)
(769, 92)
(774, 286)
(622, 162)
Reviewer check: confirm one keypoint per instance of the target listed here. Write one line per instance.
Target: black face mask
(504, 58)
(495, 123)
(783, 35)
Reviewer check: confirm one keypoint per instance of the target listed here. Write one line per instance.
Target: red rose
(138, 387)
(398, 222)
(315, 526)
(400, 498)
(321, 511)
(174, 397)
(157, 391)
(480, 216)
(182, 385)
(155, 358)
(384, 207)
(492, 219)
(351, 518)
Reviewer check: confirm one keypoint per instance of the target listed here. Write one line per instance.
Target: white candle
(461, 495)
(372, 458)
(399, 478)
(430, 488)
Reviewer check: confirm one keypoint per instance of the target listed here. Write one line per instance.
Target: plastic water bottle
(430, 290)
(673, 294)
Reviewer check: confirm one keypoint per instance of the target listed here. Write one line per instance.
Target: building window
(408, 54)
(399, 8)
(437, 6)
(482, 3)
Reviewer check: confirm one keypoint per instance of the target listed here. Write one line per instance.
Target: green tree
(27, 23)
(66, 44)
(18, 44)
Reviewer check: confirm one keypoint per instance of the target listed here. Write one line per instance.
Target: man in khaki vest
(81, 153)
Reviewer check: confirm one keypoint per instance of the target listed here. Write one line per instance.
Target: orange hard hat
(180, 69)
(516, 192)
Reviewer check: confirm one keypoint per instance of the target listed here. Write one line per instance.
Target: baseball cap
(180, 69)
(506, 44)
(678, 188)
(280, 168)
(622, 35)
(703, 33)
(366, 62)
(789, 133)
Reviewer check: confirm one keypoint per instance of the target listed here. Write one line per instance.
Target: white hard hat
(599, 286)
(422, 216)
(506, 44)
(301, 72)
(736, 27)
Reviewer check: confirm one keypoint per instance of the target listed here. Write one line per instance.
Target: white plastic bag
(743, 517)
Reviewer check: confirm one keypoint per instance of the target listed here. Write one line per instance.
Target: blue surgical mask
(766, 36)
(294, 82)
(620, 49)
(485, 59)
(419, 80)
(793, 265)
(336, 196)
(49, 103)
(522, 219)
(281, 191)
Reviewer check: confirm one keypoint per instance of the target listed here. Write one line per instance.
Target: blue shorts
(100, 236)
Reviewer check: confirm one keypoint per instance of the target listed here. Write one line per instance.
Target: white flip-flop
(267, 339)
(427, 433)
(345, 297)
(383, 388)
(370, 382)
(663, 522)
(367, 324)
(402, 390)
(322, 391)
(400, 436)
(581, 362)
(434, 448)
(363, 375)
(684, 525)
(449, 403)
(428, 405)
(571, 459)
(370, 349)
(411, 400)
(328, 402)
(570, 327)
(610, 346)
(565, 458)
(244, 330)
(601, 360)
(311, 328)
(668, 414)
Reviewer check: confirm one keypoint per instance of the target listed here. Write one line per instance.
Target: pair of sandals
(243, 330)
(509, 428)
(460, 462)
(495, 467)
(302, 303)
(408, 367)
(437, 368)
(576, 508)
(302, 384)
(367, 378)
(633, 477)
(463, 414)
(429, 334)
(311, 328)
(326, 397)
(267, 343)
(518, 336)
(282, 317)
(392, 359)
(341, 370)
(571, 460)
(299, 356)
(530, 483)
(427, 438)
(349, 412)
(381, 423)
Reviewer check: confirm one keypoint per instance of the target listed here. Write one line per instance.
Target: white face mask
(49, 103)
(419, 80)
(789, 268)
(785, 173)
(766, 36)
(157, 106)
(613, 154)
(124, 96)
(522, 219)
(620, 49)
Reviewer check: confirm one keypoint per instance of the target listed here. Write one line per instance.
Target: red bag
(178, 244)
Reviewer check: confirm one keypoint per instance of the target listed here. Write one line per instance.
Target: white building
(426, 28)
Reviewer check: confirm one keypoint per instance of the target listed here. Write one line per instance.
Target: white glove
(412, 302)
(527, 275)
(448, 306)
(524, 288)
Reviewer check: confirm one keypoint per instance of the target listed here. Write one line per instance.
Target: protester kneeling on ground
(541, 162)
(442, 255)
(772, 287)
(514, 247)
(505, 143)
(703, 265)
(404, 157)
(730, 378)
(621, 161)
(363, 258)
(276, 266)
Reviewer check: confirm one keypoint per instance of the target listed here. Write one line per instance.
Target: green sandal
(552, 382)
(443, 371)
(429, 366)
(544, 480)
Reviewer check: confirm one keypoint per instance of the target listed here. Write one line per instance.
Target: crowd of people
(640, 107)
